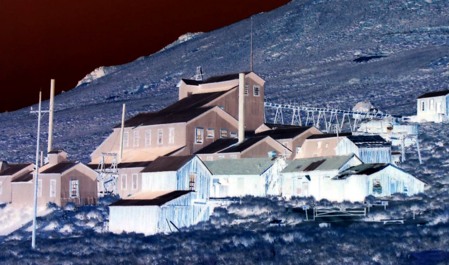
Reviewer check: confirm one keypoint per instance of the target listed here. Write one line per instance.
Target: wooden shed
(156, 212)
(313, 176)
(245, 176)
(178, 173)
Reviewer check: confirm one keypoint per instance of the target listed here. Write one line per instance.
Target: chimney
(50, 116)
(241, 107)
(56, 156)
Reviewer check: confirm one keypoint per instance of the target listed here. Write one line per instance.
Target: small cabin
(433, 106)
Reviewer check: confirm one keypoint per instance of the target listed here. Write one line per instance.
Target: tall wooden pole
(50, 116)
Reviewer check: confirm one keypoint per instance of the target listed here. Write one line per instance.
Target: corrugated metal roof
(123, 165)
(242, 166)
(158, 201)
(363, 140)
(214, 79)
(328, 135)
(217, 146)
(244, 145)
(434, 94)
(192, 101)
(60, 168)
(363, 169)
(27, 176)
(161, 117)
(168, 163)
(319, 163)
(285, 133)
(12, 169)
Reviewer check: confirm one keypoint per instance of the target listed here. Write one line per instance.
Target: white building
(313, 176)
(245, 176)
(433, 106)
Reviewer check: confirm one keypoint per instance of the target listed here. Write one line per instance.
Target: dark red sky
(67, 39)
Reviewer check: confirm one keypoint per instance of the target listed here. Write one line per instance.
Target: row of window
(432, 106)
(124, 181)
(210, 134)
(148, 138)
(256, 90)
(73, 188)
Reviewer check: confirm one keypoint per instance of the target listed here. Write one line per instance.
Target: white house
(245, 176)
(433, 106)
(313, 176)
(379, 180)
(156, 212)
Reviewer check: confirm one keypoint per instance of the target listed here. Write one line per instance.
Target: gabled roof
(242, 166)
(217, 146)
(285, 133)
(368, 140)
(123, 165)
(12, 169)
(60, 168)
(214, 79)
(363, 169)
(192, 101)
(434, 94)
(164, 117)
(168, 163)
(317, 164)
(27, 176)
(244, 145)
(157, 201)
(328, 135)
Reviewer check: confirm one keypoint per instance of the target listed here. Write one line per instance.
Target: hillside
(304, 50)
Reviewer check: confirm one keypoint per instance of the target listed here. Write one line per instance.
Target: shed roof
(248, 142)
(242, 166)
(368, 140)
(435, 94)
(217, 146)
(168, 163)
(164, 117)
(124, 165)
(12, 169)
(152, 201)
(25, 177)
(363, 169)
(317, 164)
(60, 168)
(328, 135)
(192, 101)
(285, 132)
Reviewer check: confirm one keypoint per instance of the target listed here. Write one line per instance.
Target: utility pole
(36, 173)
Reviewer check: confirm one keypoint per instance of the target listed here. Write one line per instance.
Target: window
(423, 105)
(405, 189)
(125, 139)
(147, 138)
(256, 90)
(298, 149)
(377, 187)
(431, 104)
(171, 135)
(1, 187)
(136, 138)
(210, 133)
(160, 136)
(39, 188)
(52, 188)
(223, 133)
(246, 89)
(233, 135)
(199, 135)
(134, 181)
(192, 178)
(124, 181)
(74, 188)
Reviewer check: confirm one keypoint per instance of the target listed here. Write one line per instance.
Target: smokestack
(121, 132)
(50, 116)
(241, 107)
